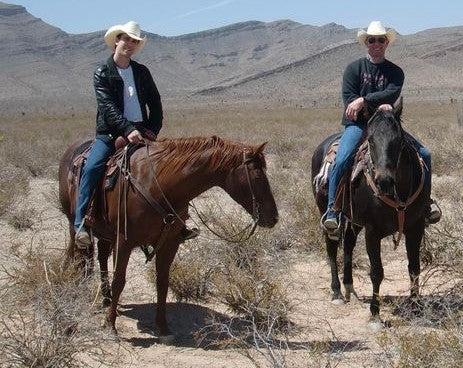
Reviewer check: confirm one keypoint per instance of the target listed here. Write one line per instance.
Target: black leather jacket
(110, 121)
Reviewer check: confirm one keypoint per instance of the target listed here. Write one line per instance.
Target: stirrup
(83, 238)
(435, 215)
(333, 234)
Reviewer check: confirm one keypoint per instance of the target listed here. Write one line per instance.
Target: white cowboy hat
(376, 29)
(131, 28)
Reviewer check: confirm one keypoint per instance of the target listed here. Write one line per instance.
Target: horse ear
(260, 148)
(398, 108)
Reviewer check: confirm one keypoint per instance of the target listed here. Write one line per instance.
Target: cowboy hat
(131, 28)
(376, 29)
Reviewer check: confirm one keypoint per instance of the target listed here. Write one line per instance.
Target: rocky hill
(43, 66)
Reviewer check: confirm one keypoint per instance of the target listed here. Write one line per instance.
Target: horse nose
(385, 185)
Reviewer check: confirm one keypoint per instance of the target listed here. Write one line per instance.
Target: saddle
(361, 159)
(120, 158)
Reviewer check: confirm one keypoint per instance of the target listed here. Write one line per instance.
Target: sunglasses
(372, 40)
(128, 39)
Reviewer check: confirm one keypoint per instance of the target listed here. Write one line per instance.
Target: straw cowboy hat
(376, 29)
(132, 29)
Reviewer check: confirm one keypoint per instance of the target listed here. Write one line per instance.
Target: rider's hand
(385, 107)
(354, 108)
(148, 134)
(135, 137)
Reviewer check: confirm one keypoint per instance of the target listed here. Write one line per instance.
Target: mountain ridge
(252, 60)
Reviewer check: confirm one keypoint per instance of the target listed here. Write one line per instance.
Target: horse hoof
(166, 339)
(349, 292)
(375, 324)
(106, 325)
(106, 302)
(337, 301)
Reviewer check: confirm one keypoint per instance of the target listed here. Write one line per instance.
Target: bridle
(395, 202)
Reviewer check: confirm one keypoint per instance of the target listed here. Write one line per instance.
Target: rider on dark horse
(124, 88)
(376, 82)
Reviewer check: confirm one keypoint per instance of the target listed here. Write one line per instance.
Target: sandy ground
(343, 327)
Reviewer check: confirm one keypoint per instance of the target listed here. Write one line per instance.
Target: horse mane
(174, 154)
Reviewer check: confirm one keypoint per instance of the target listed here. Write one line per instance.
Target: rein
(171, 216)
(168, 218)
(255, 214)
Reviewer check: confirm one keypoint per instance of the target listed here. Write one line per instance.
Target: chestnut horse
(164, 177)
(387, 197)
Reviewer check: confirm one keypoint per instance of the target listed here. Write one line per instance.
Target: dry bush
(23, 218)
(14, 184)
(31, 146)
(248, 278)
(188, 281)
(442, 251)
(46, 316)
(189, 276)
(417, 345)
(251, 293)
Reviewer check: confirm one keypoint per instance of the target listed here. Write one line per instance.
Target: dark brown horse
(164, 177)
(387, 197)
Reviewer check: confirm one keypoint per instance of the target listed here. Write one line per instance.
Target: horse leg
(332, 251)
(70, 249)
(89, 263)
(350, 240)
(82, 258)
(104, 250)
(164, 259)
(373, 245)
(121, 255)
(412, 243)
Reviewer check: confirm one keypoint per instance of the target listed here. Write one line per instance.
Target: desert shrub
(442, 251)
(248, 280)
(22, 218)
(51, 321)
(249, 283)
(251, 294)
(417, 346)
(31, 146)
(14, 183)
(188, 281)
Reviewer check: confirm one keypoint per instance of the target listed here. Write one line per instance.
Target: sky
(177, 17)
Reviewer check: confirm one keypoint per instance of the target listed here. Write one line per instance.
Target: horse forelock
(176, 154)
(385, 121)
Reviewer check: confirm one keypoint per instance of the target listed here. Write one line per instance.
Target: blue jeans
(426, 156)
(345, 155)
(91, 174)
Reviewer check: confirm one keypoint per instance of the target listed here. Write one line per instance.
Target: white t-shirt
(132, 110)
